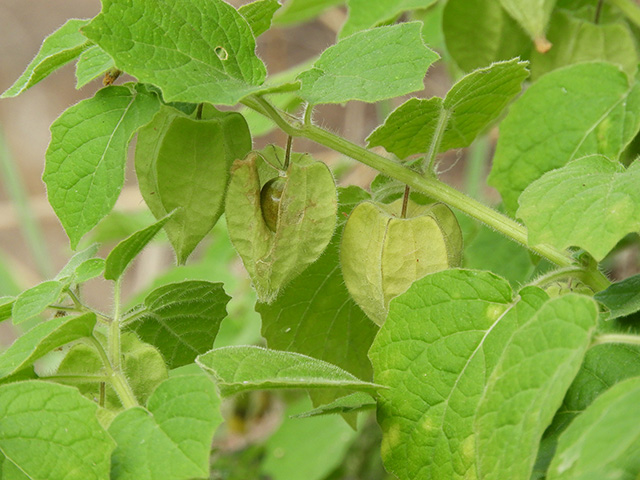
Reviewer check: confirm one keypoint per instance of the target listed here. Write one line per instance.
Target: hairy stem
(436, 141)
(115, 377)
(426, 184)
(616, 338)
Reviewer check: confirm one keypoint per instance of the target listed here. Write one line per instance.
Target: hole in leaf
(221, 52)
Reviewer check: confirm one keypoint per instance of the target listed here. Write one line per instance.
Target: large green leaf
(471, 105)
(621, 298)
(576, 40)
(128, 249)
(51, 431)
(468, 365)
(533, 16)
(196, 51)
(590, 203)
(44, 338)
(245, 368)
(58, 49)
(371, 65)
(34, 301)
(85, 161)
(182, 319)
(184, 164)
(316, 316)
(171, 438)
(479, 32)
(308, 449)
(534, 137)
(365, 14)
(604, 441)
(92, 63)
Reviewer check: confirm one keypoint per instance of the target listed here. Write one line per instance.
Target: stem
(116, 378)
(405, 201)
(596, 18)
(81, 307)
(199, 111)
(616, 338)
(629, 8)
(113, 344)
(287, 153)
(426, 184)
(434, 148)
(308, 112)
(569, 272)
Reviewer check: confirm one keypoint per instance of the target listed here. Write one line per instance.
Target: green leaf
(372, 65)
(6, 307)
(241, 369)
(356, 402)
(316, 316)
(621, 298)
(85, 161)
(51, 431)
(297, 11)
(602, 442)
(34, 301)
(576, 40)
(306, 449)
(44, 338)
(258, 15)
(170, 46)
(92, 268)
(471, 105)
(123, 254)
(604, 365)
(58, 49)
(171, 438)
(304, 219)
(533, 17)
(76, 260)
(182, 319)
(458, 352)
(534, 137)
(92, 63)
(185, 163)
(479, 32)
(142, 364)
(590, 203)
(365, 14)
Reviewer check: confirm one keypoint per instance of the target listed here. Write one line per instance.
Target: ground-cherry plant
(438, 337)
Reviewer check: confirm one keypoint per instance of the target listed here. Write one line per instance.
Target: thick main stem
(425, 184)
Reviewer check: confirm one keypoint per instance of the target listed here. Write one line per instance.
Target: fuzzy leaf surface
(177, 427)
(480, 32)
(185, 164)
(92, 63)
(602, 442)
(590, 203)
(44, 338)
(182, 319)
(245, 368)
(621, 298)
(576, 40)
(258, 15)
(371, 65)
(471, 105)
(364, 14)
(197, 51)
(51, 431)
(123, 254)
(57, 50)
(534, 137)
(85, 161)
(453, 350)
(34, 301)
